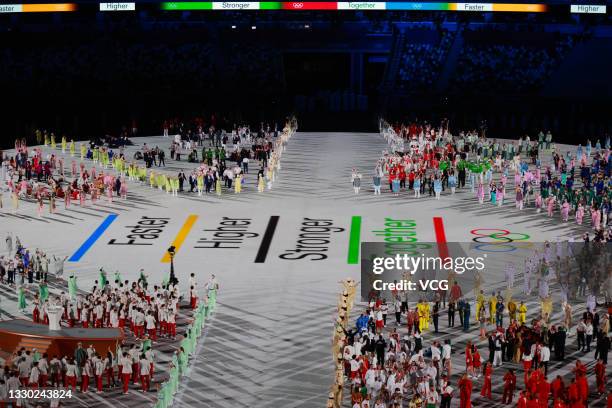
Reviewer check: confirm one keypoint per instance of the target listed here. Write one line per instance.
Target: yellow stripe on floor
(180, 237)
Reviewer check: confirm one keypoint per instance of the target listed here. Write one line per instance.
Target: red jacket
(533, 403)
(465, 385)
(572, 392)
(544, 392)
(557, 388)
(600, 369)
(509, 380)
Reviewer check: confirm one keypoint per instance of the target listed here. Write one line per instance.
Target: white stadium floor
(269, 342)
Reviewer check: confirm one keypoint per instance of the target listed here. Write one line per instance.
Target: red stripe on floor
(441, 237)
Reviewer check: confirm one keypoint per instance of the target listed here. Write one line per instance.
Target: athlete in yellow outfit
(480, 301)
(218, 186)
(492, 307)
(547, 306)
(421, 313)
(424, 310)
(522, 313)
(512, 310)
(238, 184)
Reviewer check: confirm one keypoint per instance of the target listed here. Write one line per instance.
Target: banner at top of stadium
(295, 5)
(359, 5)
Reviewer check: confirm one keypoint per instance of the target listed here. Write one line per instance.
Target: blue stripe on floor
(93, 238)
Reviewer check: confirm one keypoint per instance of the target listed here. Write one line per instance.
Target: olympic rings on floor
(498, 240)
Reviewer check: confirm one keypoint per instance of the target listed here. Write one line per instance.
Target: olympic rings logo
(499, 240)
(298, 5)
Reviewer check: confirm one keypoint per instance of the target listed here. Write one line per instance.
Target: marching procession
(155, 353)
(400, 352)
(539, 338)
(149, 313)
(48, 177)
(534, 174)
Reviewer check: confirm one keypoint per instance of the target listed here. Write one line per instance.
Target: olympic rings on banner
(498, 240)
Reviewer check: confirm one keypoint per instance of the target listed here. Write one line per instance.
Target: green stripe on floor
(354, 241)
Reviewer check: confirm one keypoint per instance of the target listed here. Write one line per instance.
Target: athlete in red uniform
(465, 387)
(486, 387)
(509, 387)
(557, 387)
(600, 376)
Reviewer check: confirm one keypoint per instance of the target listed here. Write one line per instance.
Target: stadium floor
(269, 343)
